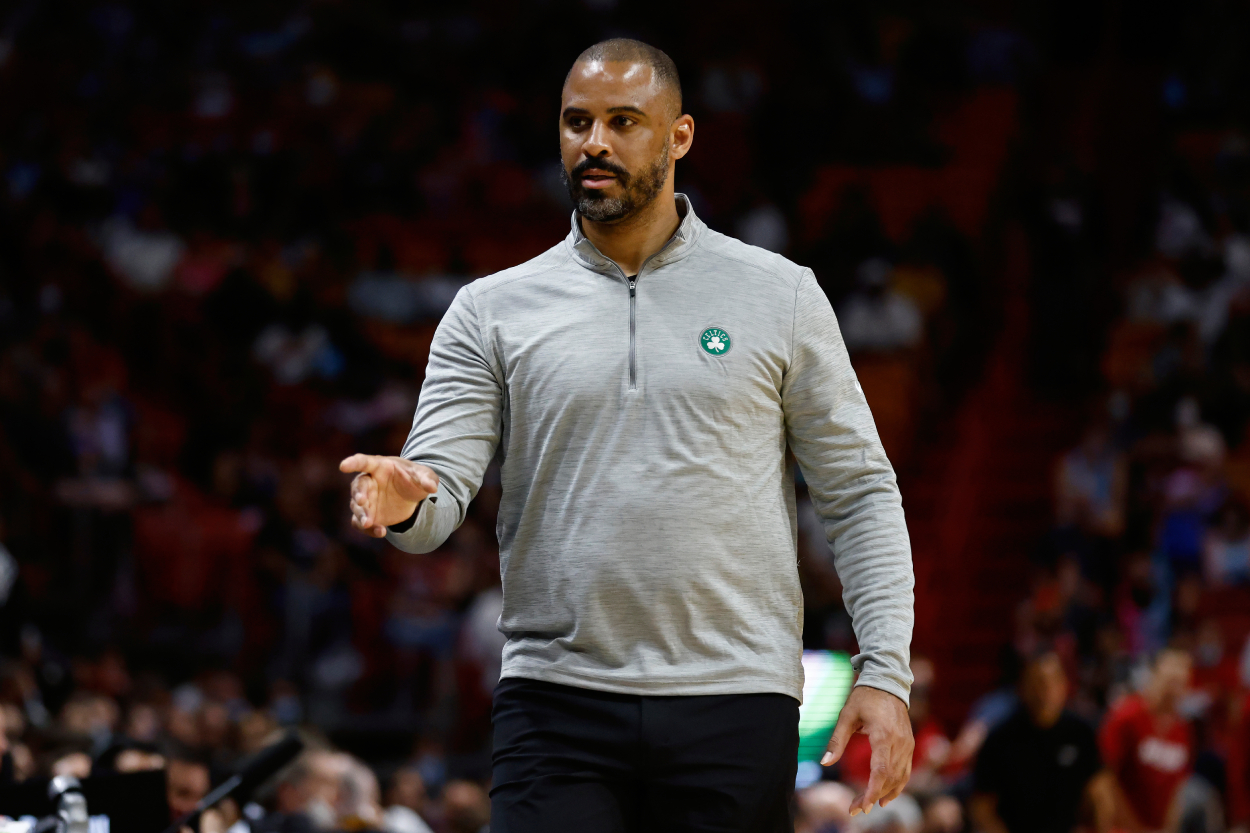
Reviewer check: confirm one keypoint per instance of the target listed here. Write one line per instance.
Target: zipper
(633, 303)
(633, 306)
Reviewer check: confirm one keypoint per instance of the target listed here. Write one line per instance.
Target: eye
(577, 122)
(623, 121)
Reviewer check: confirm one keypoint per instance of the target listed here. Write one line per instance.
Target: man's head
(312, 786)
(407, 789)
(1169, 679)
(466, 805)
(621, 126)
(187, 780)
(1044, 688)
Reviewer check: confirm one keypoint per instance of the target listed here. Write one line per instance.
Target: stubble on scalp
(663, 70)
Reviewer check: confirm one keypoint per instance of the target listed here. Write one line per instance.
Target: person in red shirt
(1149, 747)
(1239, 768)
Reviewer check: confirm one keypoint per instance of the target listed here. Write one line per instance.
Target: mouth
(595, 178)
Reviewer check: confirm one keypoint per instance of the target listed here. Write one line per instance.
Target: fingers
(375, 531)
(363, 503)
(890, 770)
(894, 793)
(360, 521)
(848, 724)
(877, 781)
(366, 463)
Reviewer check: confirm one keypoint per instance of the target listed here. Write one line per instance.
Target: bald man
(642, 382)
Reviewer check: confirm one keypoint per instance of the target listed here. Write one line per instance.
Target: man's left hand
(883, 718)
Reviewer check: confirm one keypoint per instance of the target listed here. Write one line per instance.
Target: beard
(637, 190)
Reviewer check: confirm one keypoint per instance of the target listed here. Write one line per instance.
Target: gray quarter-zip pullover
(647, 531)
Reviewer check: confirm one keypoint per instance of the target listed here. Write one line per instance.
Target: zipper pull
(631, 287)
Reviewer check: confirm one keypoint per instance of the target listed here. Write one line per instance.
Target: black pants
(572, 760)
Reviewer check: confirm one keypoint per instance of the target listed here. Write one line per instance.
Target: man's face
(408, 789)
(185, 784)
(1044, 690)
(614, 136)
(1172, 673)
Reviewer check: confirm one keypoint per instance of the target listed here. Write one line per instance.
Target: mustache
(599, 164)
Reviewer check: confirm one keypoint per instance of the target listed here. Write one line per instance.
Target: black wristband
(404, 526)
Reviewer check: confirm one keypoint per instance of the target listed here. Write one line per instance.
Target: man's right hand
(386, 491)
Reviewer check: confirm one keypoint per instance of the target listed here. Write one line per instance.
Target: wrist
(405, 525)
(878, 685)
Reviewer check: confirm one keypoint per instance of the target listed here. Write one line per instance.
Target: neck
(1158, 704)
(629, 242)
(1045, 721)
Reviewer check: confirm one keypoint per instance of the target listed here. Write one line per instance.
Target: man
(642, 382)
(1039, 767)
(1148, 746)
(187, 780)
(406, 800)
(307, 793)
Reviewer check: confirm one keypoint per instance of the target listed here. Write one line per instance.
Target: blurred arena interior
(229, 230)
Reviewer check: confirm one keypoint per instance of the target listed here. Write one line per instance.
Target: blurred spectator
(943, 814)
(308, 792)
(875, 317)
(1041, 767)
(902, 815)
(764, 226)
(1226, 549)
(466, 807)
(187, 780)
(1238, 773)
(1092, 487)
(359, 799)
(1149, 747)
(824, 807)
(406, 801)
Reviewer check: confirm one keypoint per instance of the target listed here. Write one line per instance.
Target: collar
(679, 245)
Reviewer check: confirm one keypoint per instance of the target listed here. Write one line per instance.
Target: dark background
(228, 230)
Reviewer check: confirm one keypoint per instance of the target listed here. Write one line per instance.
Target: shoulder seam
(487, 354)
(794, 314)
(777, 273)
(565, 259)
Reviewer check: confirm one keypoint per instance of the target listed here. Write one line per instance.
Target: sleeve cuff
(887, 685)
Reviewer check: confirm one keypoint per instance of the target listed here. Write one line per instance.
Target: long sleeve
(831, 432)
(457, 425)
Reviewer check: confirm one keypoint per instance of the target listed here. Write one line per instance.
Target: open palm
(386, 490)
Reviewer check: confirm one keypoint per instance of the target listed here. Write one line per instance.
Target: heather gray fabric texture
(647, 534)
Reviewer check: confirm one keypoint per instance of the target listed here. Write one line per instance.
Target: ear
(680, 136)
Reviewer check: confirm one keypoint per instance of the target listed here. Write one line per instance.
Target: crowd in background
(229, 230)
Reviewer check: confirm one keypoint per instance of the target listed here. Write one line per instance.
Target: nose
(596, 143)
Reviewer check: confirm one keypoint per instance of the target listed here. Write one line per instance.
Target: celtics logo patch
(715, 341)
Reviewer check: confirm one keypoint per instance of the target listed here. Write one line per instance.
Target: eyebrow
(622, 109)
